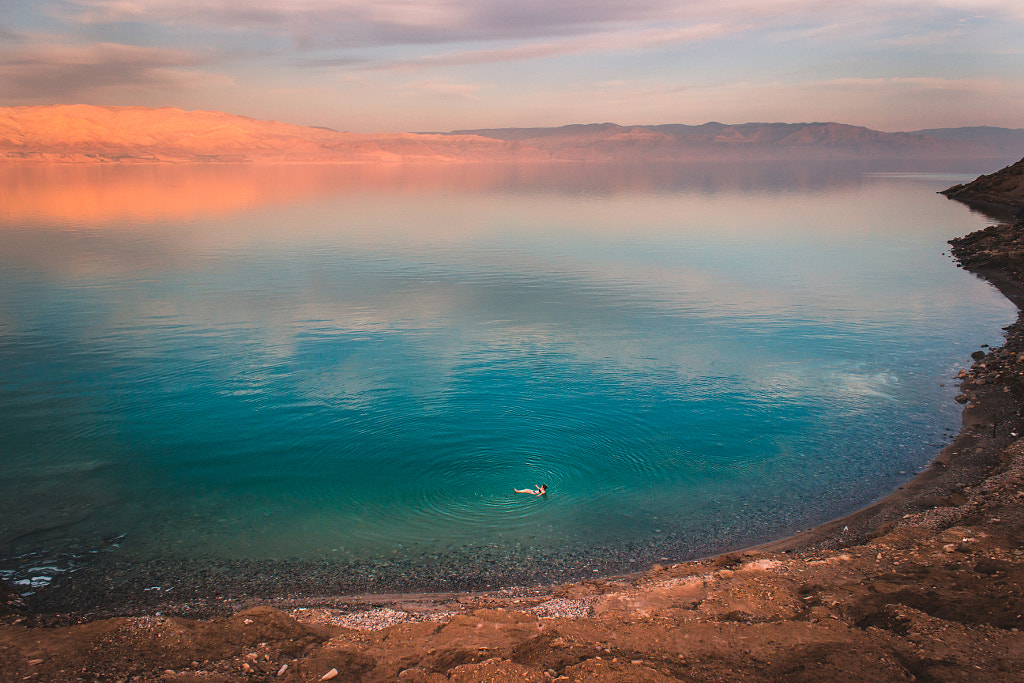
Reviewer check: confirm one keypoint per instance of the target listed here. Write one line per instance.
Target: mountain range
(775, 140)
(86, 133)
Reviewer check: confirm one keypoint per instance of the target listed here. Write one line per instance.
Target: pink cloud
(602, 42)
(42, 69)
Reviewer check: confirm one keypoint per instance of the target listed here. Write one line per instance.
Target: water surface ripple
(362, 373)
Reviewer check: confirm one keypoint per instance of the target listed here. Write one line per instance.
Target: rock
(282, 670)
(329, 675)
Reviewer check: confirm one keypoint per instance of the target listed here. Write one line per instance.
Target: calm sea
(356, 366)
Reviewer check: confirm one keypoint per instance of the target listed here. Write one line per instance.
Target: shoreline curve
(925, 584)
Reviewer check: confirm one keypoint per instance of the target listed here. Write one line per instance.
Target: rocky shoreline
(1001, 191)
(927, 584)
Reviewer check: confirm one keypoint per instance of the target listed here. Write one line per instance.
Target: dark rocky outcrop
(1004, 188)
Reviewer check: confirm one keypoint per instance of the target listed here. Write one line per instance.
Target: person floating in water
(541, 490)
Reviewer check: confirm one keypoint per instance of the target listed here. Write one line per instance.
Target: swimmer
(541, 490)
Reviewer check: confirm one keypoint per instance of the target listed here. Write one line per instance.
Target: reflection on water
(105, 193)
(361, 363)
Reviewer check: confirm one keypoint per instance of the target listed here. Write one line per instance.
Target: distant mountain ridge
(86, 133)
(782, 139)
(713, 133)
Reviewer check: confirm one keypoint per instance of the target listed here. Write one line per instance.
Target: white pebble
(329, 675)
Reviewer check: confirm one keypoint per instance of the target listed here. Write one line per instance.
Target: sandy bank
(926, 585)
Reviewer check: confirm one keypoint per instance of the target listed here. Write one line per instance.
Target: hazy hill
(775, 140)
(85, 133)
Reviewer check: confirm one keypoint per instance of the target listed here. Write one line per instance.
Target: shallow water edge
(213, 586)
(204, 589)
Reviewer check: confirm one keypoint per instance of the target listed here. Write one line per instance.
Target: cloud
(507, 30)
(443, 89)
(897, 103)
(892, 88)
(8, 36)
(1011, 9)
(42, 69)
(602, 42)
(382, 22)
(923, 39)
(429, 21)
(907, 87)
(390, 57)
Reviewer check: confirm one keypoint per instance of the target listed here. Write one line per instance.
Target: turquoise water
(359, 367)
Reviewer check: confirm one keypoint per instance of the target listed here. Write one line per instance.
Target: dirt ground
(938, 597)
(927, 585)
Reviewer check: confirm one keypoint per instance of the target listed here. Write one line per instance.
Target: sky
(439, 65)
